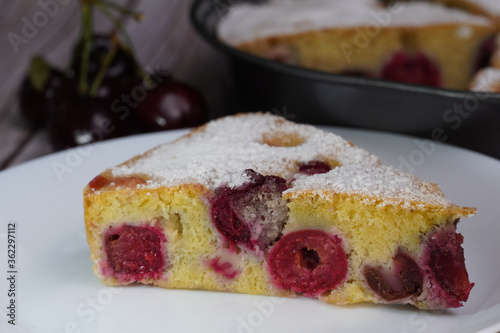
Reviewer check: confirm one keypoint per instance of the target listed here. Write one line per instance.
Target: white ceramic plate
(56, 290)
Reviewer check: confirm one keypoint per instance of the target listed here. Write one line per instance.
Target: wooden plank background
(165, 38)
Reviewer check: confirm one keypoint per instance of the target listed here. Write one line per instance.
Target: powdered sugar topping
(486, 80)
(490, 6)
(381, 184)
(221, 152)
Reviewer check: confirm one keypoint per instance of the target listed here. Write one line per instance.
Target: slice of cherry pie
(256, 204)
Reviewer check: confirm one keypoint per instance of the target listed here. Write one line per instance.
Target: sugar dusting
(490, 6)
(219, 153)
(247, 22)
(374, 183)
(486, 80)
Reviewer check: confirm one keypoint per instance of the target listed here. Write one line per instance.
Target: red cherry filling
(135, 251)
(308, 261)
(405, 279)
(314, 167)
(223, 267)
(281, 53)
(447, 262)
(417, 69)
(99, 182)
(252, 214)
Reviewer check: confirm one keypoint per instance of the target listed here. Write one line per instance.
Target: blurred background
(163, 39)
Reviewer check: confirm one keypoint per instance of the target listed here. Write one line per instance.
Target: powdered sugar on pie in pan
(247, 22)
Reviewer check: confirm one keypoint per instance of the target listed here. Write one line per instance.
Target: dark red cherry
(41, 90)
(123, 64)
(308, 261)
(447, 262)
(111, 89)
(135, 250)
(120, 76)
(404, 280)
(412, 68)
(314, 167)
(100, 182)
(170, 105)
(228, 223)
(82, 120)
(252, 214)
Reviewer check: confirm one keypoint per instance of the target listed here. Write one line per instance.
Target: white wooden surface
(165, 38)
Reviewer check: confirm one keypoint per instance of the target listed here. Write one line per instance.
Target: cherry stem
(102, 70)
(39, 73)
(87, 41)
(103, 7)
(125, 11)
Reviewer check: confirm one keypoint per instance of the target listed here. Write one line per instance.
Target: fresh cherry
(122, 65)
(416, 68)
(170, 105)
(41, 89)
(120, 75)
(308, 261)
(111, 90)
(82, 120)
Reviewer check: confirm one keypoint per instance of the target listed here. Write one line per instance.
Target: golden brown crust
(452, 209)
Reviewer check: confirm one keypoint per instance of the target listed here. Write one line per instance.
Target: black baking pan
(464, 118)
